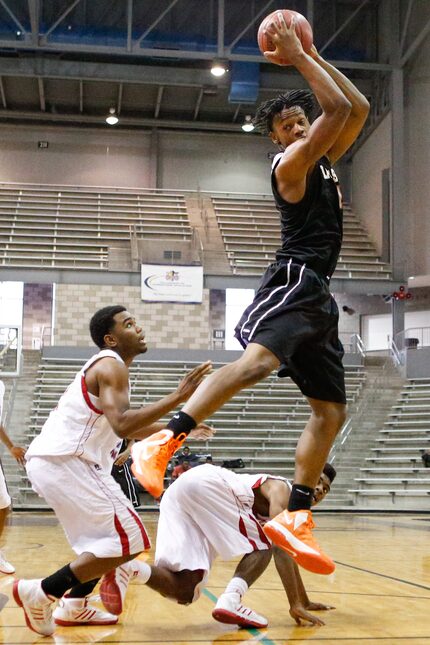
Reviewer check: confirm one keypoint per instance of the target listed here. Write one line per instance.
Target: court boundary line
(383, 575)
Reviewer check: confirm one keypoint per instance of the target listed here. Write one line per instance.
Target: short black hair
(330, 471)
(102, 322)
(263, 120)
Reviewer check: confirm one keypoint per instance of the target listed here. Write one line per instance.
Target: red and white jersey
(255, 481)
(77, 426)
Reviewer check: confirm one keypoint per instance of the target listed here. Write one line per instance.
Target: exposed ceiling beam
(156, 21)
(3, 94)
(415, 44)
(119, 99)
(405, 26)
(176, 54)
(158, 102)
(343, 25)
(146, 74)
(13, 16)
(61, 18)
(129, 25)
(42, 99)
(22, 115)
(236, 112)
(221, 28)
(310, 12)
(81, 96)
(262, 11)
(34, 13)
(198, 104)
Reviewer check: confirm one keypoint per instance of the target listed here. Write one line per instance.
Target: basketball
(303, 31)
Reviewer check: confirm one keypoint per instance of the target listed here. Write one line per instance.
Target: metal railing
(352, 343)
(412, 338)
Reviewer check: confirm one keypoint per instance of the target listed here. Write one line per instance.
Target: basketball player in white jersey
(215, 511)
(69, 464)
(5, 502)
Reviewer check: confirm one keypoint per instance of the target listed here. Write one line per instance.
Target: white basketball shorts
(94, 512)
(205, 513)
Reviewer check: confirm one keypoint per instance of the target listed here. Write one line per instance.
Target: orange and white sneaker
(37, 606)
(77, 611)
(292, 532)
(151, 456)
(230, 611)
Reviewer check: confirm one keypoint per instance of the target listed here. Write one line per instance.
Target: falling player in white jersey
(214, 511)
(69, 464)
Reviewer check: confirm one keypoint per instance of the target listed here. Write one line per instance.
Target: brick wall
(167, 325)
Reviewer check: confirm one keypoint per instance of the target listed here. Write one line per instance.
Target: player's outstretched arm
(359, 108)
(297, 597)
(112, 380)
(16, 451)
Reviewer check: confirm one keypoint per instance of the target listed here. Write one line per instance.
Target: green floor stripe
(251, 630)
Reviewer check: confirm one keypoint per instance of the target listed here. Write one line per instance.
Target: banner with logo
(166, 283)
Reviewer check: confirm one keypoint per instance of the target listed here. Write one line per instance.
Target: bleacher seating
(261, 424)
(394, 471)
(251, 232)
(67, 227)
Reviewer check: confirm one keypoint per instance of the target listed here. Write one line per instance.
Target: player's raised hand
(287, 43)
(302, 617)
(192, 380)
(202, 432)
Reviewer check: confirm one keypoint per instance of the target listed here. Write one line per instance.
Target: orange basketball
(303, 30)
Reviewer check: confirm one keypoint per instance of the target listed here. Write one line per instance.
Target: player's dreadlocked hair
(263, 120)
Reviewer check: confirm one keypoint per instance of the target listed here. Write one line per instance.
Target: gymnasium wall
(417, 171)
(366, 186)
(177, 326)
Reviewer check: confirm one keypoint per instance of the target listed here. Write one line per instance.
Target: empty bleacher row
(64, 227)
(67, 227)
(261, 424)
(251, 232)
(394, 473)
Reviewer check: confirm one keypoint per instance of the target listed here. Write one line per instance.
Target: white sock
(237, 585)
(141, 570)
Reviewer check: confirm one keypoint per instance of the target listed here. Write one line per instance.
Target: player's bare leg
(229, 608)
(291, 530)
(152, 455)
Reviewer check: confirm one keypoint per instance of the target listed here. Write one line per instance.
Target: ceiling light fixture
(219, 67)
(112, 118)
(248, 125)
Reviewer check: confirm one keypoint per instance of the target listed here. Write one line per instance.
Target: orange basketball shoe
(151, 456)
(292, 532)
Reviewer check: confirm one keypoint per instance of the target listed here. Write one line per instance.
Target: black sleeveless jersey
(311, 229)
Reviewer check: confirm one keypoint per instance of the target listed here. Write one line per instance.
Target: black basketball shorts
(294, 316)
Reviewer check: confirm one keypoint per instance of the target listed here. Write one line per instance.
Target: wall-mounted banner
(166, 283)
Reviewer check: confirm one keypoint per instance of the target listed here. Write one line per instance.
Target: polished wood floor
(381, 590)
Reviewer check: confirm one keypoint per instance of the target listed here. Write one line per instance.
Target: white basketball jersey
(2, 390)
(77, 426)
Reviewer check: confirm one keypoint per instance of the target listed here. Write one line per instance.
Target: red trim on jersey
(125, 544)
(242, 529)
(87, 396)
(145, 538)
(261, 533)
(257, 484)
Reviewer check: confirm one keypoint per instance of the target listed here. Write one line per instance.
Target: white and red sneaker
(77, 611)
(229, 610)
(114, 585)
(37, 606)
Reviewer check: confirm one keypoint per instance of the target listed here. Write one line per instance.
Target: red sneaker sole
(229, 618)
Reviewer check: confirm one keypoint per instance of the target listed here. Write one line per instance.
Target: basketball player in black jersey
(292, 324)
